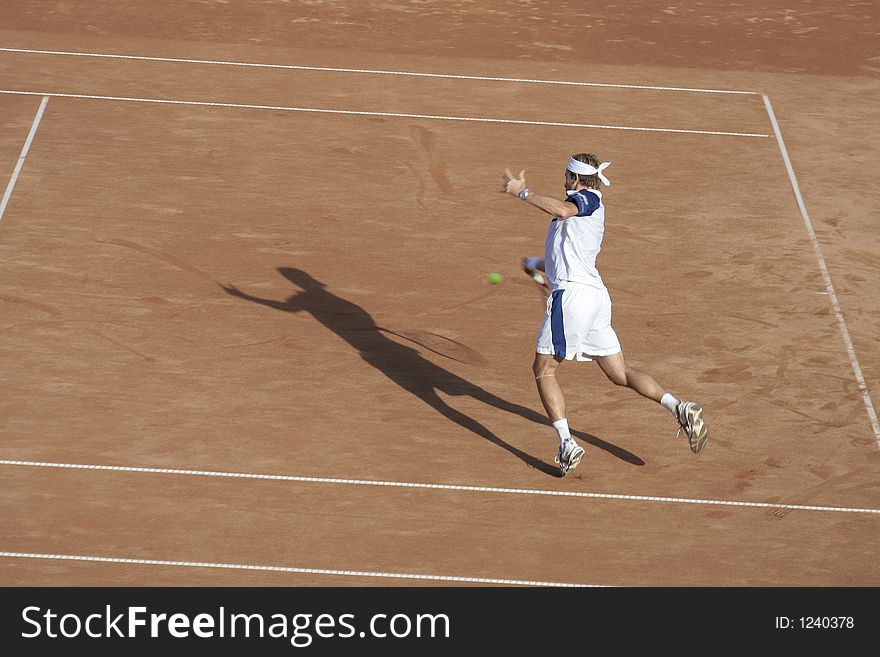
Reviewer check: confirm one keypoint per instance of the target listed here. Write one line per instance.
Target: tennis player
(577, 324)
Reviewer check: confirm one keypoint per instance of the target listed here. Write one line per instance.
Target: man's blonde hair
(591, 181)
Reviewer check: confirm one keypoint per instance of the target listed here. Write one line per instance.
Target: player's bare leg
(688, 414)
(550, 392)
(621, 374)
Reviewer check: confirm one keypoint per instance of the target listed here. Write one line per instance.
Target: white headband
(586, 170)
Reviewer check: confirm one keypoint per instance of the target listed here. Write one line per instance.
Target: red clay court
(247, 337)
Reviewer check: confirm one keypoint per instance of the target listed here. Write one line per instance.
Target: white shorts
(578, 324)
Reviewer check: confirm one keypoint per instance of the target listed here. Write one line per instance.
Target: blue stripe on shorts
(557, 326)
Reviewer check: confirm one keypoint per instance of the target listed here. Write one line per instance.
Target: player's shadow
(406, 367)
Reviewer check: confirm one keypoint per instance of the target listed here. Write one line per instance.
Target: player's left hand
(513, 185)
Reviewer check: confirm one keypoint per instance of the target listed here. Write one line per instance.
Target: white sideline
(21, 158)
(366, 71)
(284, 108)
(445, 487)
(291, 569)
(826, 277)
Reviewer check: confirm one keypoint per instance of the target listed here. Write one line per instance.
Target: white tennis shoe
(568, 456)
(690, 420)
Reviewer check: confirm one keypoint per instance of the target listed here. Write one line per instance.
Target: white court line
(423, 486)
(826, 277)
(22, 156)
(364, 113)
(289, 569)
(370, 71)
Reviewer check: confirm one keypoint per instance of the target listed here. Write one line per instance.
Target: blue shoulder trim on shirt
(586, 202)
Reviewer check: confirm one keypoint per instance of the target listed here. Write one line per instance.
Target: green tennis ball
(495, 278)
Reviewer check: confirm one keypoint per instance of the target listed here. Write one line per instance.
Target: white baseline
(198, 103)
(444, 487)
(366, 71)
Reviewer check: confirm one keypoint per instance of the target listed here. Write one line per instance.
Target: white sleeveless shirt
(573, 243)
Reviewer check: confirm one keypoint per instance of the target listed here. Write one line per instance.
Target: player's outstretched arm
(514, 186)
(279, 305)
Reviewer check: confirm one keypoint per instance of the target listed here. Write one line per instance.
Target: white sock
(561, 427)
(669, 402)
